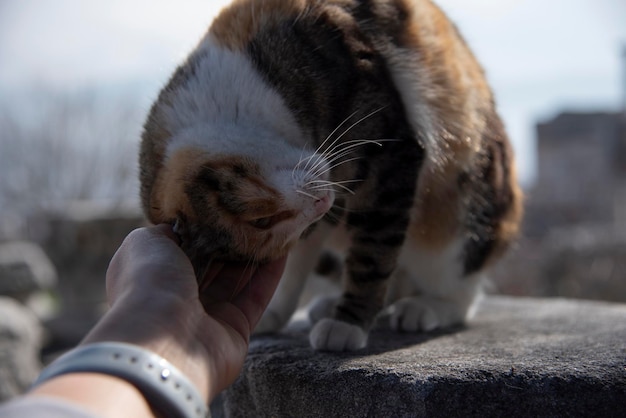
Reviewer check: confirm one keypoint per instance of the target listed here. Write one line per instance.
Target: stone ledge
(517, 357)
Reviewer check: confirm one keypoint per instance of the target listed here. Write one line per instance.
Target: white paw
(412, 315)
(270, 322)
(322, 307)
(415, 314)
(334, 335)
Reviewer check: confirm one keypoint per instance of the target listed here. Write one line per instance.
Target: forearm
(110, 396)
(153, 323)
(200, 340)
(100, 394)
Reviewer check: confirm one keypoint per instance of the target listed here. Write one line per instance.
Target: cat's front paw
(334, 335)
(270, 322)
(423, 314)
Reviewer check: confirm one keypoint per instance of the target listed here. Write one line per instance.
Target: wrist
(158, 324)
(113, 366)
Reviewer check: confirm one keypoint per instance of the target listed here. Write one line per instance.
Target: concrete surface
(517, 357)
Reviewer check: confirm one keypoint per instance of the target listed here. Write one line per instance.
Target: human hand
(155, 303)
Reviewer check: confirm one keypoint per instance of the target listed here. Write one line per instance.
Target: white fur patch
(410, 83)
(445, 296)
(414, 314)
(301, 261)
(227, 108)
(334, 335)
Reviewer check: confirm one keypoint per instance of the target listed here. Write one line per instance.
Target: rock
(20, 343)
(517, 357)
(24, 269)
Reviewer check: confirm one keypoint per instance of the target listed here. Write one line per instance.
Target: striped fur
(253, 140)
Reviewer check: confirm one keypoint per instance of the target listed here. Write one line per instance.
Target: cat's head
(247, 204)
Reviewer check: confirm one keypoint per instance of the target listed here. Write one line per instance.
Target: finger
(255, 297)
(213, 270)
(149, 258)
(167, 231)
(122, 260)
(148, 243)
(227, 284)
(244, 312)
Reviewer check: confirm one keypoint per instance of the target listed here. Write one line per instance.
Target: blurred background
(77, 79)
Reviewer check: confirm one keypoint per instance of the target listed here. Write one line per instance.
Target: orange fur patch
(455, 86)
(151, 155)
(435, 218)
(260, 199)
(180, 171)
(169, 190)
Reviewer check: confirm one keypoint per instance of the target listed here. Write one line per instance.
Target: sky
(541, 56)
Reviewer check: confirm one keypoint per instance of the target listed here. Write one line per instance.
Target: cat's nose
(324, 203)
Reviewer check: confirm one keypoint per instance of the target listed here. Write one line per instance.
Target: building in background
(581, 172)
(574, 237)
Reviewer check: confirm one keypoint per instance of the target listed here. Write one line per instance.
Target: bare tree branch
(67, 148)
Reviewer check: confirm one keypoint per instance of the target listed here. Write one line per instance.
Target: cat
(366, 127)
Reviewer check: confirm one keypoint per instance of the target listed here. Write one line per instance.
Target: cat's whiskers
(302, 192)
(334, 190)
(329, 156)
(342, 150)
(354, 143)
(321, 154)
(364, 118)
(325, 185)
(300, 161)
(351, 126)
(333, 182)
(327, 169)
(317, 151)
(336, 161)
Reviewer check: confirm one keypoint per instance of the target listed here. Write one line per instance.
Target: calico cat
(362, 126)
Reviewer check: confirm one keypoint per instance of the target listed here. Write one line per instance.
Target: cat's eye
(262, 223)
(267, 222)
